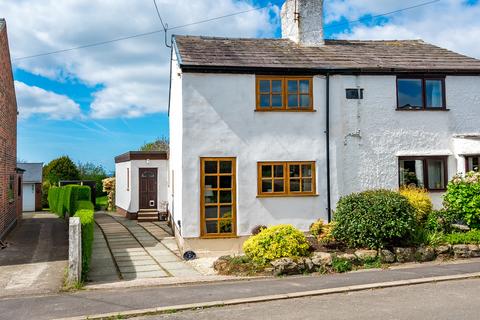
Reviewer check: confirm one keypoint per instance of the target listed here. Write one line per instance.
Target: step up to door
(147, 215)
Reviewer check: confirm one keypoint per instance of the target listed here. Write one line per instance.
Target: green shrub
(470, 237)
(420, 200)
(373, 219)
(441, 221)
(371, 263)
(64, 199)
(276, 242)
(316, 228)
(341, 265)
(84, 205)
(87, 220)
(463, 198)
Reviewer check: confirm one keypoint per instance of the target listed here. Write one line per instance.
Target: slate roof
(396, 55)
(33, 172)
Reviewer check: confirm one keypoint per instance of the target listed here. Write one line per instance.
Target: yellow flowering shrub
(316, 228)
(326, 236)
(276, 242)
(419, 199)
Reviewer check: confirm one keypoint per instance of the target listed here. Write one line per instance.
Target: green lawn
(102, 202)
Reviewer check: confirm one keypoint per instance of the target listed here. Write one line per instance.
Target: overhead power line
(381, 15)
(165, 28)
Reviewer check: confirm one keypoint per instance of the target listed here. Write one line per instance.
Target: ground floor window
(472, 163)
(424, 172)
(218, 197)
(286, 178)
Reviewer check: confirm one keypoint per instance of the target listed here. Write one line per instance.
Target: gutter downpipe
(327, 138)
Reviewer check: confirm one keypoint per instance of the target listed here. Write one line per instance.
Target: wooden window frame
(284, 92)
(286, 179)
(203, 231)
(467, 169)
(424, 79)
(424, 160)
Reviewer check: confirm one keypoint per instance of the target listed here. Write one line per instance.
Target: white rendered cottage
(141, 184)
(270, 131)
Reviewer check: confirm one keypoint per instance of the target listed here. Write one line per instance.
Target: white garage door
(28, 197)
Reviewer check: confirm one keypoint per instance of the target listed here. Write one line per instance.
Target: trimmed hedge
(374, 219)
(87, 220)
(62, 200)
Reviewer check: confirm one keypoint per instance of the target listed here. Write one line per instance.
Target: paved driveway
(35, 259)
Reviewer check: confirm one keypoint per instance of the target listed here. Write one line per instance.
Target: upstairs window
(286, 178)
(421, 93)
(284, 94)
(424, 172)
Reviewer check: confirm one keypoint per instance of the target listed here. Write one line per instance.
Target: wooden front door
(148, 188)
(218, 197)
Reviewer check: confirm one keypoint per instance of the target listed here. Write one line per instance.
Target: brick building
(10, 176)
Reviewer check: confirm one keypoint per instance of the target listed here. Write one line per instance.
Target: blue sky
(96, 103)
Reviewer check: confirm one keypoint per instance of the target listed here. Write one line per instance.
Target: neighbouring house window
(473, 163)
(424, 172)
(218, 197)
(284, 94)
(128, 179)
(11, 188)
(421, 93)
(286, 178)
(354, 94)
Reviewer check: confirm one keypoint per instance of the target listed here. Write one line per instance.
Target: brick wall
(9, 199)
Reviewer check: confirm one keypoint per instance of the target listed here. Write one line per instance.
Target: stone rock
(347, 256)
(285, 266)
(460, 227)
(461, 251)
(321, 259)
(474, 250)
(445, 249)
(424, 254)
(366, 254)
(387, 256)
(405, 254)
(221, 263)
(307, 264)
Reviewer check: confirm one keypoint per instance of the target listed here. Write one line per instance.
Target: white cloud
(34, 100)
(133, 74)
(451, 24)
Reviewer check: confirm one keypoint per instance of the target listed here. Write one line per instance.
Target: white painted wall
(129, 199)
(176, 146)
(217, 118)
(28, 197)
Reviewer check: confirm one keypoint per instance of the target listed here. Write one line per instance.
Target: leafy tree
(160, 144)
(62, 168)
(90, 171)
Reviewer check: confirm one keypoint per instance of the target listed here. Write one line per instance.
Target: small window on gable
(128, 179)
(354, 94)
(284, 93)
(421, 93)
(11, 188)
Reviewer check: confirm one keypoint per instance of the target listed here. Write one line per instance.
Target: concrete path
(36, 257)
(436, 301)
(139, 251)
(103, 301)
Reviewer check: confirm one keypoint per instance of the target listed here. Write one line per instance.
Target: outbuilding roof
(141, 155)
(33, 172)
(209, 53)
